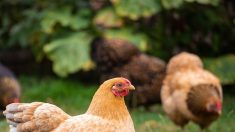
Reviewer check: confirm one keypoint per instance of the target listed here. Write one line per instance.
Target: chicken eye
(119, 84)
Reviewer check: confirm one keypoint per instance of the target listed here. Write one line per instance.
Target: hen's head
(184, 60)
(108, 101)
(205, 100)
(117, 86)
(214, 105)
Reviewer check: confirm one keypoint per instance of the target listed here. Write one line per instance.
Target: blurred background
(48, 46)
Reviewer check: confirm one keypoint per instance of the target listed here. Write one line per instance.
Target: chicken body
(9, 88)
(107, 112)
(115, 57)
(190, 93)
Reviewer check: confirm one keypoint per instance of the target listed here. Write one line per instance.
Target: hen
(107, 113)
(190, 93)
(115, 57)
(9, 88)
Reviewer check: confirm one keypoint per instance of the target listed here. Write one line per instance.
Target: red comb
(127, 81)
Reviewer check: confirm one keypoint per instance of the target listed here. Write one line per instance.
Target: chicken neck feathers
(114, 109)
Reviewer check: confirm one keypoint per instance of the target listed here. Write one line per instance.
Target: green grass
(74, 98)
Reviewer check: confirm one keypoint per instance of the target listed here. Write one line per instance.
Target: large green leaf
(108, 18)
(139, 39)
(63, 16)
(168, 4)
(190, 0)
(69, 54)
(23, 32)
(213, 2)
(134, 9)
(223, 67)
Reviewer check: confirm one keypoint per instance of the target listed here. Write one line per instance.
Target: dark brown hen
(9, 88)
(115, 57)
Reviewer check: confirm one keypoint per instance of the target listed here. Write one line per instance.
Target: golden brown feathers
(190, 93)
(182, 61)
(107, 113)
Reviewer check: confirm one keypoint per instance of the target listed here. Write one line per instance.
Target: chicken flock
(185, 89)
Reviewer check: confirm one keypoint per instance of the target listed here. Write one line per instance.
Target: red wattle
(218, 105)
(120, 93)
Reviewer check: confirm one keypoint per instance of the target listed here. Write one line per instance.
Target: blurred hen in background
(9, 88)
(115, 57)
(190, 93)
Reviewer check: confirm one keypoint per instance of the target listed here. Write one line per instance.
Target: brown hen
(107, 113)
(9, 88)
(190, 93)
(115, 57)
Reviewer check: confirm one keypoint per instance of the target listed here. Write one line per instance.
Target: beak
(131, 87)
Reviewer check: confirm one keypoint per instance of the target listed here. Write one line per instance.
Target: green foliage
(168, 4)
(139, 39)
(70, 53)
(64, 17)
(62, 30)
(24, 32)
(108, 18)
(223, 67)
(135, 9)
(213, 2)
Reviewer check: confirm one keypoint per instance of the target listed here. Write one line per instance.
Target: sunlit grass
(156, 120)
(74, 98)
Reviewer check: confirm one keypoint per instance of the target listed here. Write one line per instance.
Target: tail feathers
(20, 112)
(19, 115)
(13, 128)
(18, 107)
(34, 116)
